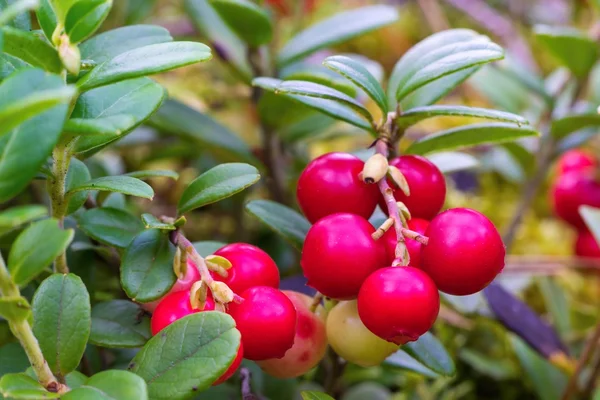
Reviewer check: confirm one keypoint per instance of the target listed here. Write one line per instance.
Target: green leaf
(62, 7)
(154, 173)
(108, 113)
(287, 222)
(12, 359)
(151, 222)
(22, 386)
(146, 60)
(208, 247)
(110, 385)
(418, 114)
(521, 156)
(193, 351)
(14, 309)
(46, 18)
(147, 266)
(48, 240)
(110, 44)
(431, 353)
(311, 72)
(62, 321)
(30, 48)
(564, 126)
(452, 161)
(470, 135)
(14, 11)
(339, 28)
(121, 184)
(20, 215)
(111, 226)
(178, 119)
(402, 359)
(217, 184)
(312, 395)
(10, 64)
(355, 72)
(571, 47)
(77, 175)
(85, 17)
(119, 323)
(557, 305)
(249, 21)
(27, 93)
(498, 369)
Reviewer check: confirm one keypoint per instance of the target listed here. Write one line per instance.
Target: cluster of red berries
(342, 260)
(577, 183)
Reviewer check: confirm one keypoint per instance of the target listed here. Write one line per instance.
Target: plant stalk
(588, 351)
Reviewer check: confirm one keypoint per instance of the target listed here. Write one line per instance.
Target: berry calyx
(351, 339)
(339, 253)
(398, 304)
(173, 307)
(251, 267)
(427, 186)
(586, 245)
(310, 342)
(464, 253)
(414, 248)
(267, 321)
(576, 160)
(185, 283)
(572, 190)
(330, 184)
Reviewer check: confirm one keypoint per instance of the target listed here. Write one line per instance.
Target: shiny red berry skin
(173, 307)
(398, 304)
(267, 321)
(465, 251)
(575, 160)
(191, 275)
(414, 248)
(233, 367)
(251, 267)
(586, 245)
(330, 184)
(339, 253)
(427, 187)
(572, 190)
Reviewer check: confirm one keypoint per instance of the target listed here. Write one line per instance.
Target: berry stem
(318, 297)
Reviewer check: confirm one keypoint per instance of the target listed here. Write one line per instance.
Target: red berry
(233, 367)
(330, 184)
(251, 267)
(267, 321)
(398, 304)
(427, 186)
(572, 190)
(173, 307)
(339, 254)
(576, 160)
(586, 245)
(310, 342)
(414, 248)
(191, 275)
(465, 251)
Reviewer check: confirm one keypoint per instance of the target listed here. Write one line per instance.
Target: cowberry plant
(105, 292)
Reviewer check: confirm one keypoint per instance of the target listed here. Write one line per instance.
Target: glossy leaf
(111, 226)
(48, 240)
(22, 386)
(402, 359)
(287, 222)
(14, 308)
(110, 385)
(147, 266)
(20, 215)
(418, 114)
(31, 49)
(12, 359)
(106, 126)
(309, 71)
(61, 8)
(10, 64)
(355, 72)
(62, 321)
(119, 323)
(470, 135)
(121, 184)
(85, 17)
(154, 173)
(151, 222)
(435, 90)
(46, 18)
(208, 247)
(15, 11)
(193, 351)
(452, 161)
(312, 395)
(216, 184)
(339, 28)
(77, 175)
(572, 123)
(431, 352)
(248, 20)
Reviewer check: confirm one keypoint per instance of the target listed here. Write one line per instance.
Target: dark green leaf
(402, 359)
(431, 352)
(119, 323)
(360, 76)
(22, 386)
(111, 226)
(435, 90)
(216, 184)
(14, 309)
(208, 247)
(121, 184)
(110, 385)
(146, 60)
(451, 161)
(311, 72)
(61, 8)
(151, 222)
(48, 240)
(12, 359)
(20, 215)
(16, 13)
(156, 173)
(307, 128)
(46, 18)
(312, 395)
(368, 390)
(470, 135)
(498, 369)
(418, 114)
(339, 28)
(147, 266)
(193, 351)
(62, 321)
(30, 48)
(77, 175)
(287, 222)
(109, 126)
(572, 123)
(249, 21)
(85, 17)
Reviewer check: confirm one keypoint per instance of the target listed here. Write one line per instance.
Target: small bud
(218, 260)
(404, 212)
(69, 55)
(375, 168)
(179, 268)
(198, 294)
(221, 292)
(383, 228)
(398, 179)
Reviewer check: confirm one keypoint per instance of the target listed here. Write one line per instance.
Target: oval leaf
(312, 395)
(31, 49)
(110, 385)
(85, 17)
(14, 309)
(20, 215)
(119, 323)
(147, 266)
(564, 126)
(151, 222)
(62, 321)
(46, 18)
(249, 21)
(120, 184)
(111, 226)
(418, 114)
(402, 359)
(431, 353)
(154, 173)
(77, 175)
(216, 184)
(193, 351)
(22, 386)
